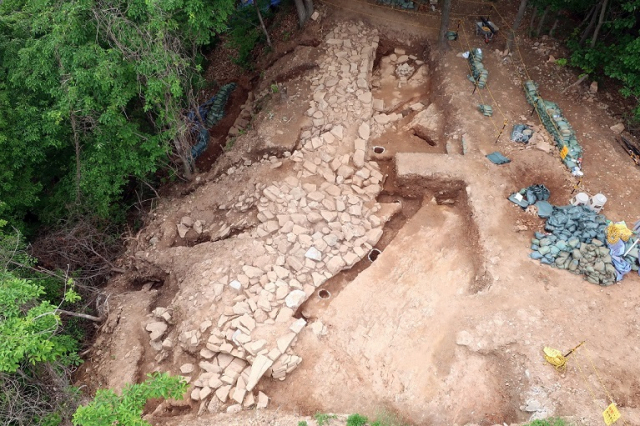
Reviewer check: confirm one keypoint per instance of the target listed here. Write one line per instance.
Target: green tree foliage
(108, 408)
(29, 325)
(29, 322)
(607, 42)
(244, 32)
(92, 94)
(357, 420)
(28, 336)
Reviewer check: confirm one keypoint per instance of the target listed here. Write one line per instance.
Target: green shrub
(108, 408)
(244, 33)
(356, 420)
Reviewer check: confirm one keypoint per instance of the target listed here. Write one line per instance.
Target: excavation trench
(412, 196)
(406, 98)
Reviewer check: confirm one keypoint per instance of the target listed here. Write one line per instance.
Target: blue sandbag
(522, 203)
(497, 158)
(544, 209)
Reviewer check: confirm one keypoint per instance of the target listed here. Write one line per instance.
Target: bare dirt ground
(447, 325)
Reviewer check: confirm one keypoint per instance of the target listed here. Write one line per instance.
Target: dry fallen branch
(580, 80)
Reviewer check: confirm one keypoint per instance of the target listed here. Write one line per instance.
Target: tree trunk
(553, 27)
(542, 19)
(302, 12)
(516, 24)
(592, 23)
(183, 150)
(603, 12)
(588, 16)
(309, 6)
(264, 28)
(533, 18)
(444, 26)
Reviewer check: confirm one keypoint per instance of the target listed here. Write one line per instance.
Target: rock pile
(404, 70)
(315, 222)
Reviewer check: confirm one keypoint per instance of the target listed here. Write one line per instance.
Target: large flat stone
(260, 365)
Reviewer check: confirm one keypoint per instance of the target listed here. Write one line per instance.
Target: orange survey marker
(611, 414)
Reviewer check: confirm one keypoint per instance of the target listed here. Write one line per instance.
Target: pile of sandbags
(575, 242)
(479, 73)
(558, 126)
(217, 103)
(590, 259)
(578, 222)
(211, 112)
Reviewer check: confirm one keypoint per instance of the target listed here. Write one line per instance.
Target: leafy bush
(29, 327)
(244, 32)
(108, 408)
(356, 420)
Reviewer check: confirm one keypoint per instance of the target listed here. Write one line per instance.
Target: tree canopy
(605, 42)
(92, 94)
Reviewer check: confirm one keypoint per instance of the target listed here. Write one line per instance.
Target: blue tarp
(622, 266)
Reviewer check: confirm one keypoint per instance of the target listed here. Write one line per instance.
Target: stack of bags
(217, 103)
(576, 243)
(558, 126)
(479, 73)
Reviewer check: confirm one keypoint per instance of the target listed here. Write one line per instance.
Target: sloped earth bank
(446, 326)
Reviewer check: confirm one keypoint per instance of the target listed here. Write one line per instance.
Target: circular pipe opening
(324, 294)
(378, 149)
(373, 254)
